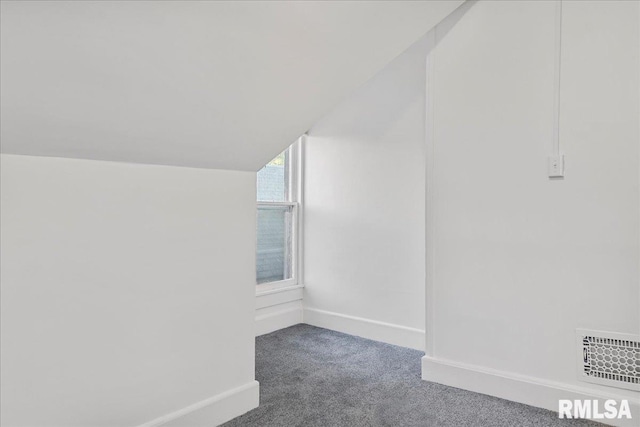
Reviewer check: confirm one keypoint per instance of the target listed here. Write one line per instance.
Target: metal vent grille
(610, 358)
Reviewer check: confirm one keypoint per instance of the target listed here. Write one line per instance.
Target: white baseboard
(213, 411)
(366, 328)
(519, 388)
(271, 322)
(278, 309)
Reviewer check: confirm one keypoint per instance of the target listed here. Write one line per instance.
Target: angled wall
(211, 84)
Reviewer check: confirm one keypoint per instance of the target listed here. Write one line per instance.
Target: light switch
(556, 166)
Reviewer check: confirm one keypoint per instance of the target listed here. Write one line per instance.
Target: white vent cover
(609, 358)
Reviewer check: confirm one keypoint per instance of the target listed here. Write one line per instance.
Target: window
(278, 220)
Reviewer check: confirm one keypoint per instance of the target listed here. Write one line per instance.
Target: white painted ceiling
(222, 85)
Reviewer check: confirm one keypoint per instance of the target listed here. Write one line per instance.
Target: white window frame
(295, 196)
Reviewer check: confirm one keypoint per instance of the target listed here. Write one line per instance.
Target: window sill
(275, 288)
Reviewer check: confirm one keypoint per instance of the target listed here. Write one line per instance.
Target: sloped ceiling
(223, 85)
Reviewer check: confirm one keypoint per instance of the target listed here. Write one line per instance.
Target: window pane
(273, 179)
(274, 257)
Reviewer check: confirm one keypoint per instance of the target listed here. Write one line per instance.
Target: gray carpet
(316, 377)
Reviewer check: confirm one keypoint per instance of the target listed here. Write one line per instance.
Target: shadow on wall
(347, 119)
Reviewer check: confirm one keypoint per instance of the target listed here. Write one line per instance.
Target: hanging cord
(556, 160)
(556, 82)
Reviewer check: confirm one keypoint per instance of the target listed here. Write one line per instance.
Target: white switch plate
(556, 166)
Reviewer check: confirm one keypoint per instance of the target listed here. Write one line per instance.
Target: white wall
(127, 291)
(364, 208)
(521, 261)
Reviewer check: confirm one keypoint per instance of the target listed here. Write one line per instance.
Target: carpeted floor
(316, 377)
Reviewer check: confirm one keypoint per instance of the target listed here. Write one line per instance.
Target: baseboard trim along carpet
(366, 328)
(520, 388)
(214, 410)
(280, 319)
